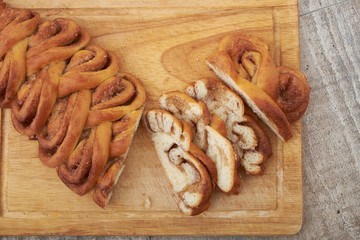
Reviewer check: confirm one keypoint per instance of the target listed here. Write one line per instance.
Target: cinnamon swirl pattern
(59, 136)
(16, 25)
(249, 140)
(84, 166)
(38, 90)
(71, 97)
(209, 134)
(293, 93)
(115, 97)
(55, 40)
(87, 69)
(187, 175)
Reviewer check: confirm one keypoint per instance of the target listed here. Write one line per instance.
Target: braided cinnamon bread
(243, 62)
(71, 97)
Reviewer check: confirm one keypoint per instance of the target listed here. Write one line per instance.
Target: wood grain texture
(275, 25)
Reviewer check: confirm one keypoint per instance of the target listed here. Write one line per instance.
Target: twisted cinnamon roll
(116, 97)
(293, 93)
(252, 61)
(85, 165)
(35, 99)
(87, 69)
(16, 25)
(12, 72)
(59, 136)
(55, 40)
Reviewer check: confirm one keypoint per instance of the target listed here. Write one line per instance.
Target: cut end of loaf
(259, 102)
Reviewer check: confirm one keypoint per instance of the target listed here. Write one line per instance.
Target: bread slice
(209, 139)
(185, 108)
(187, 176)
(249, 140)
(244, 64)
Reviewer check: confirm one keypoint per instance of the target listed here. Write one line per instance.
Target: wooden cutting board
(164, 43)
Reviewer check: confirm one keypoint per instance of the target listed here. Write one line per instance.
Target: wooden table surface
(330, 58)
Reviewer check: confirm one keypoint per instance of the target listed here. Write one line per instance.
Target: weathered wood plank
(309, 6)
(330, 57)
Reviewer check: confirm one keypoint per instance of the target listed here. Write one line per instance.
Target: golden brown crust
(2, 6)
(85, 165)
(254, 96)
(122, 135)
(87, 69)
(12, 72)
(60, 135)
(218, 124)
(115, 107)
(123, 132)
(203, 207)
(244, 64)
(35, 100)
(293, 93)
(250, 56)
(273, 114)
(16, 25)
(208, 163)
(106, 183)
(56, 40)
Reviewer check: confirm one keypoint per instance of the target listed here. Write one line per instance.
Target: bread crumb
(147, 202)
